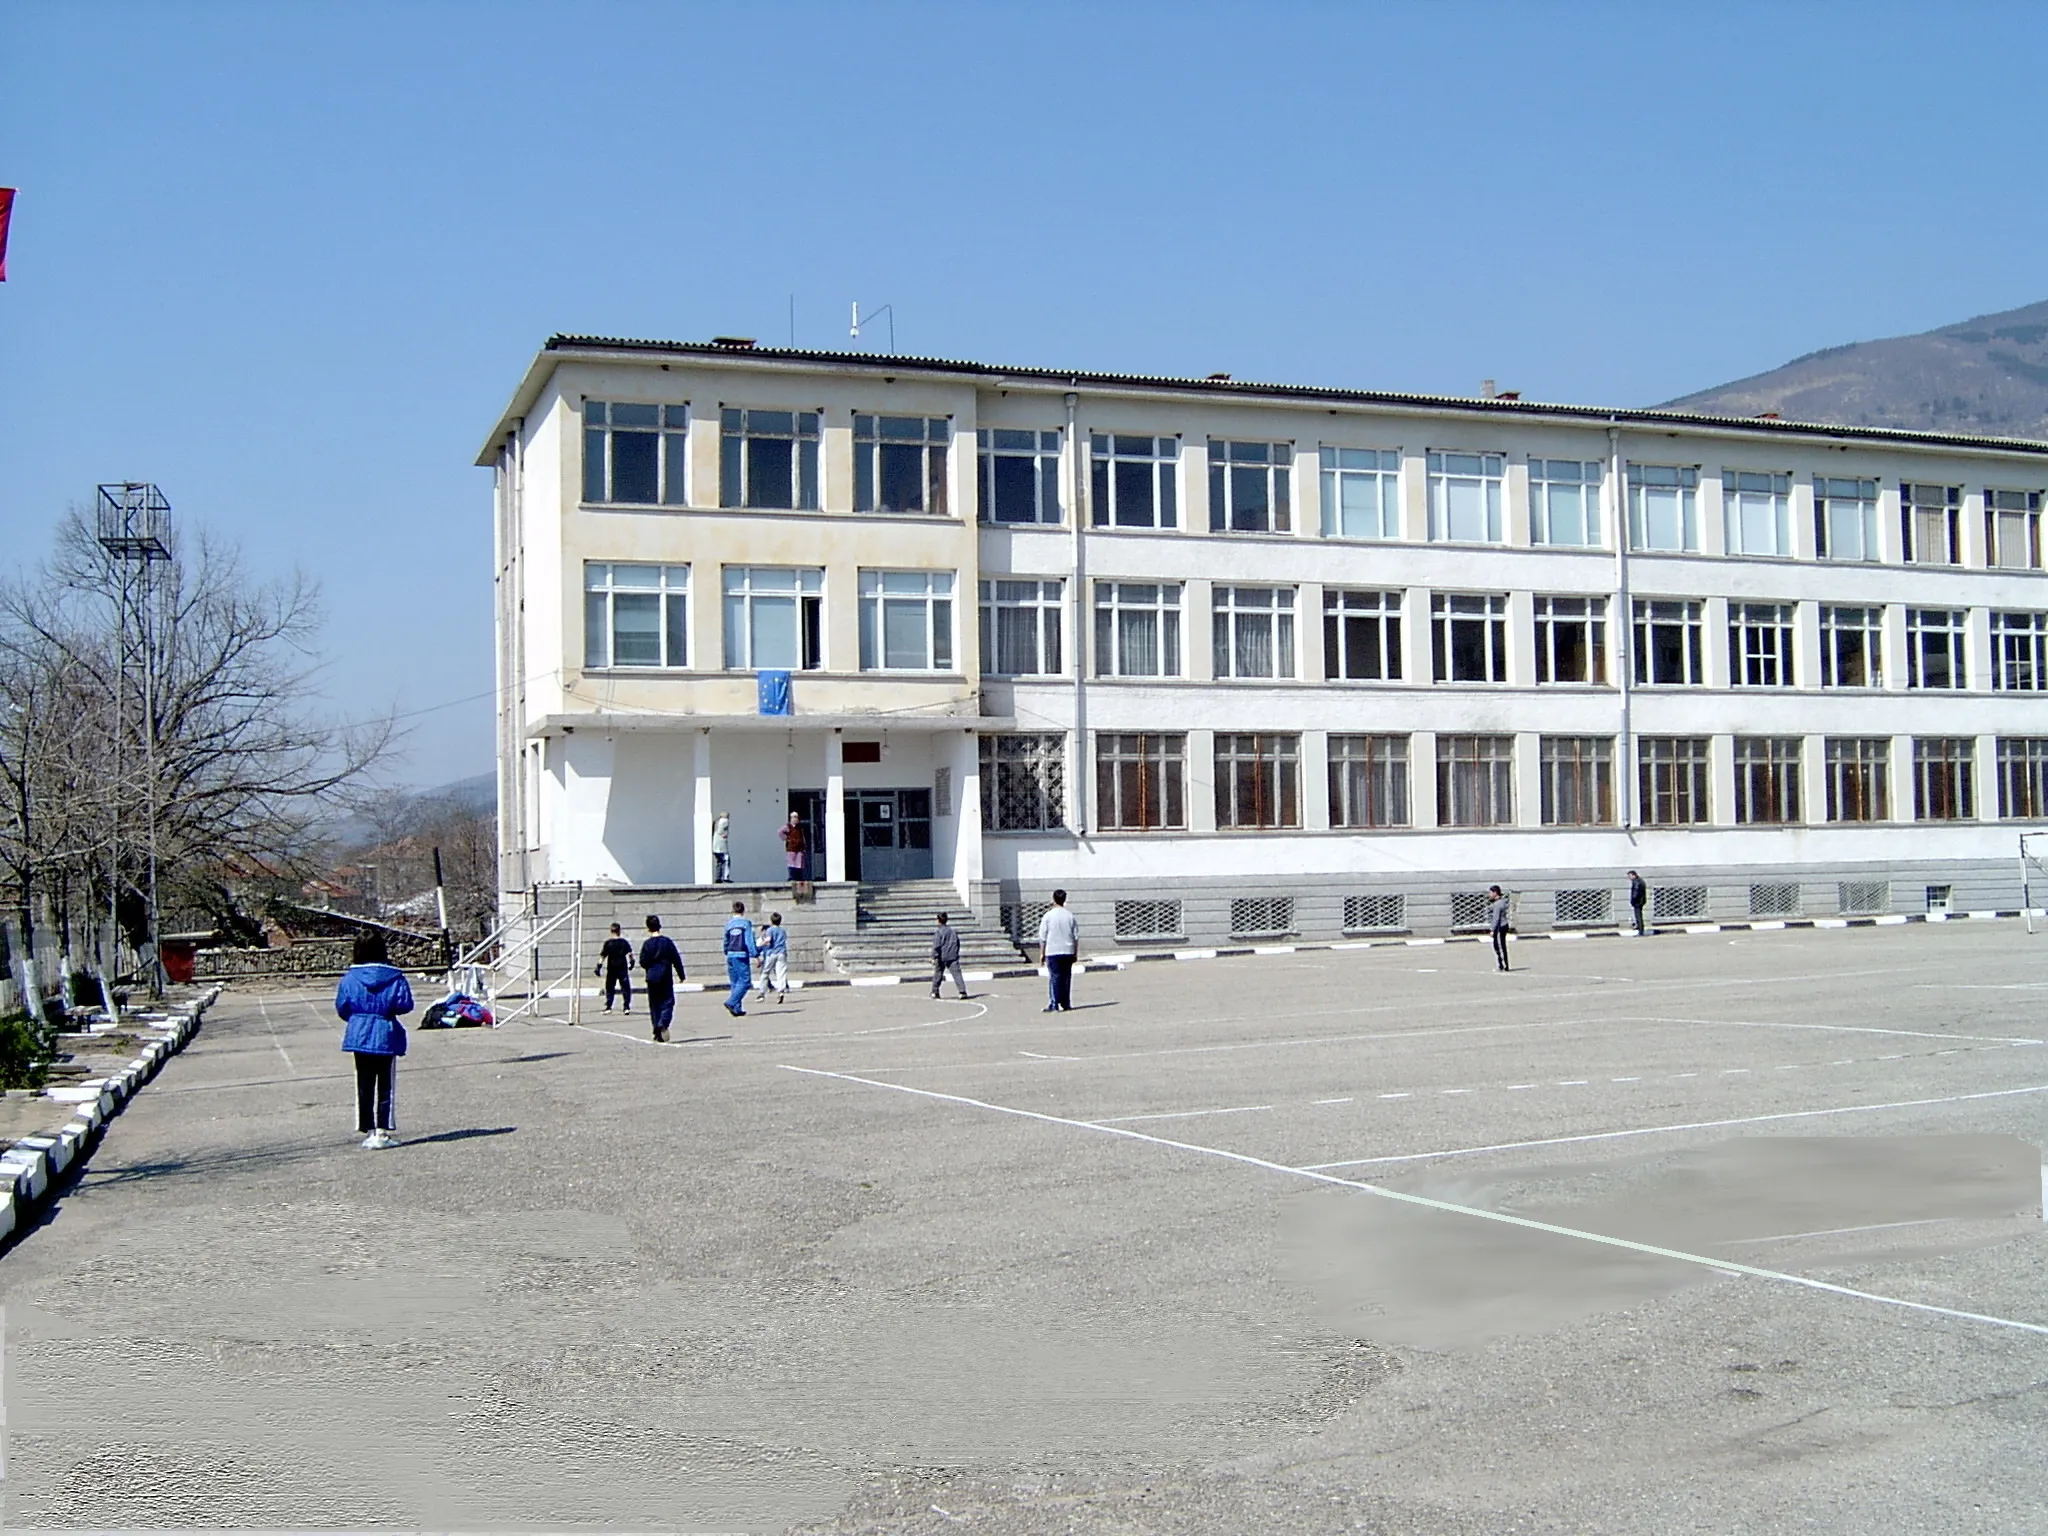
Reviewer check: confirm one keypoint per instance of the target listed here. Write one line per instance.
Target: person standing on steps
(372, 994)
(1059, 945)
(1497, 924)
(615, 965)
(741, 951)
(946, 957)
(661, 967)
(721, 849)
(774, 941)
(1638, 894)
(795, 849)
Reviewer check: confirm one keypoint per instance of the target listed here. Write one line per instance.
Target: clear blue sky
(288, 260)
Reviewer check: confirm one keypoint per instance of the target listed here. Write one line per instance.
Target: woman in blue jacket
(370, 998)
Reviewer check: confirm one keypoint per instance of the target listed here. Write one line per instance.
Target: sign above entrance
(776, 698)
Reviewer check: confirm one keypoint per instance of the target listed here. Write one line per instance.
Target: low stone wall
(312, 957)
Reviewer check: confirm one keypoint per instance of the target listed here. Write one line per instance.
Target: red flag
(6, 214)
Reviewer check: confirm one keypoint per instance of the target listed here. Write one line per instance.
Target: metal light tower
(134, 528)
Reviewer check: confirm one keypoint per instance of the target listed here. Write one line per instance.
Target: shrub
(25, 1053)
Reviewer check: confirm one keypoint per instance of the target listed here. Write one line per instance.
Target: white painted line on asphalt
(1394, 1095)
(1573, 1082)
(1333, 1101)
(1980, 986)
(1624, 1079)
(1669, 1130)
(1876, 1226)
(1519, 1087)
(275, 1038)
(877, 981)
(1317, 1175)
(1183, 1114)
(1842, 1029)
(1454, 1090)
(1041, 1056)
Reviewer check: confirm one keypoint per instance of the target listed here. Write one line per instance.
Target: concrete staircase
(893, 932)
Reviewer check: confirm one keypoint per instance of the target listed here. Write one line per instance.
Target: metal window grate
(1865, 896)
(1257, 916)
(1148, 919)
(1579, 907)
(1021, 919)
(1468, 909)
(1775, 900)
(1679, 901)
(1363, 914)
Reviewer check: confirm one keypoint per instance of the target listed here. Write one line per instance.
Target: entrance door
(889, 834)
(809, 805)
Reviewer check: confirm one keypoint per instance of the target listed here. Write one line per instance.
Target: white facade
(1838, 672)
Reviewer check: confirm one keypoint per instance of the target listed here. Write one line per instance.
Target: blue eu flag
(775, 696)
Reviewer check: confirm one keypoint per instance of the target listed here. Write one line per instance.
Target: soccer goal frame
(2033, 870)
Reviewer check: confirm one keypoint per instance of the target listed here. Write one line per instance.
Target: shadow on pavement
(467, 1135)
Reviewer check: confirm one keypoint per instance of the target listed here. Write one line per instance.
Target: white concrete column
(1308, 631)
(1521, 639)
(1422, 779)
(1418, 661)
(1315, 781)
(1813, 775)
(1977, 657)
(1721, 777)
(1194, 484)
(967, 865)
(1806, 645)
(702, 867)
(1984, 788)
(1803, 530)
(1308, 490)
(1528, 775)
(1893, 646)
(1972, 546)
(1714, 642)
(1902, 779)
(1713, 513)
(1201, 799)
(1080, 776)
(835, 808)
(1515, 521)
(1891, 540)
(1198, 630)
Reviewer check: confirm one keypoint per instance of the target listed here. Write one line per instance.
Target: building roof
(561, 348)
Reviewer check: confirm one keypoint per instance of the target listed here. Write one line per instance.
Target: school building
(1237, 660)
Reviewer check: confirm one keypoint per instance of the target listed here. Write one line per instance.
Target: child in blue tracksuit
(370, 998)
(741, 948)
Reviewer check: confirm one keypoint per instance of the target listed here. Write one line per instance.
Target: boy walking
(661, 964)
(1059, 945)
(946, 957)
(775, 959)
(1638, 894)
(1497, 924)
(741, 949)
(615, 965)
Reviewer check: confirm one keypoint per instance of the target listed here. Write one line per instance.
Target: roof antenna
(886, 309)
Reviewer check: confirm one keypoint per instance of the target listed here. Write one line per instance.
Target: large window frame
(1361, 493)
(1251, 486)
(2012, 529)
(1021, 627)
(631, 448)
(773, 617)
(1133, 480)
(899, 464)
(1468, 637)
(1859, 778)
(1578, 781)
(1937, 648)
(1019, 471)
(1467, 495)
(1756, 513)
(1668, 651)
(1475, 781)
(1944, 778)
(906, 621)
(2023, 778)
(2019, 651)
(1136, 620)
(635, 615)
(1845, 519)
(1767, 780)
(1674, 780)
(1565, 503)
(1663, 508)
(1024, 782)
(1368, 781)
(1141, 781)
(1258, 781)
(1852, 646)
(1361, 635)
(768, 459)
(1252, 632)
(1931, 523)
(1762, 641)
(1571, 641)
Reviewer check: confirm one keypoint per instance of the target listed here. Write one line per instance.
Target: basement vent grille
(1261, 916)
(1776, 900)
(1368, 914)
(1148, 920)
(1021, 919)
(1578, 908)
(1468, 909)
(1679, 901)
(1866, 896)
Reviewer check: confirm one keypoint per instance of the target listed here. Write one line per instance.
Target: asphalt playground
(1702, 1232)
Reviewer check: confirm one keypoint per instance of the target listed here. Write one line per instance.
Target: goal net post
(2033, 875)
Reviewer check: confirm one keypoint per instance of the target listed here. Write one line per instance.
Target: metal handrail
(473, 973)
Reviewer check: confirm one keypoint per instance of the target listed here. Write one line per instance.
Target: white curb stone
(56, 1151)
(29, 1171)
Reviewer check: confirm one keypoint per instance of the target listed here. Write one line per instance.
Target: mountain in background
(1987, 376)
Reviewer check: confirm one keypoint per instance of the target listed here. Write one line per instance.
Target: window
(1254, 632)
(1024, 783)
(1464, 497)
(1369, 781)
(1663, 507)
(774, 617)
(1258, 781)
(1475, 781)
(2019, 652)
(1361, 493)
(1578, 781)
(1851, 648)
(1845, 518)
(1564, 501)
(1250, 487)
(1571, 639)
(1020, 476)
(635, 454)
(1361, 635)
(1757, 511)
(636, 615)
(906, 621)
(1668, 642)
(1760, 644)
(1671, 780)
(1943, 767)
(2012, 529)
(1469, 636)
(899, 463)
(1857, 767)
(1930, 521)
(1766, 779)
(2023, 778)
(1132, 480)
(1137, 629)
(768, 459)
(1140, 782)
(1020, 628)
(1934, 648)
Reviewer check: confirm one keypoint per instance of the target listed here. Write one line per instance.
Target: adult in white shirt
(721, 848)
(1059, 944)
